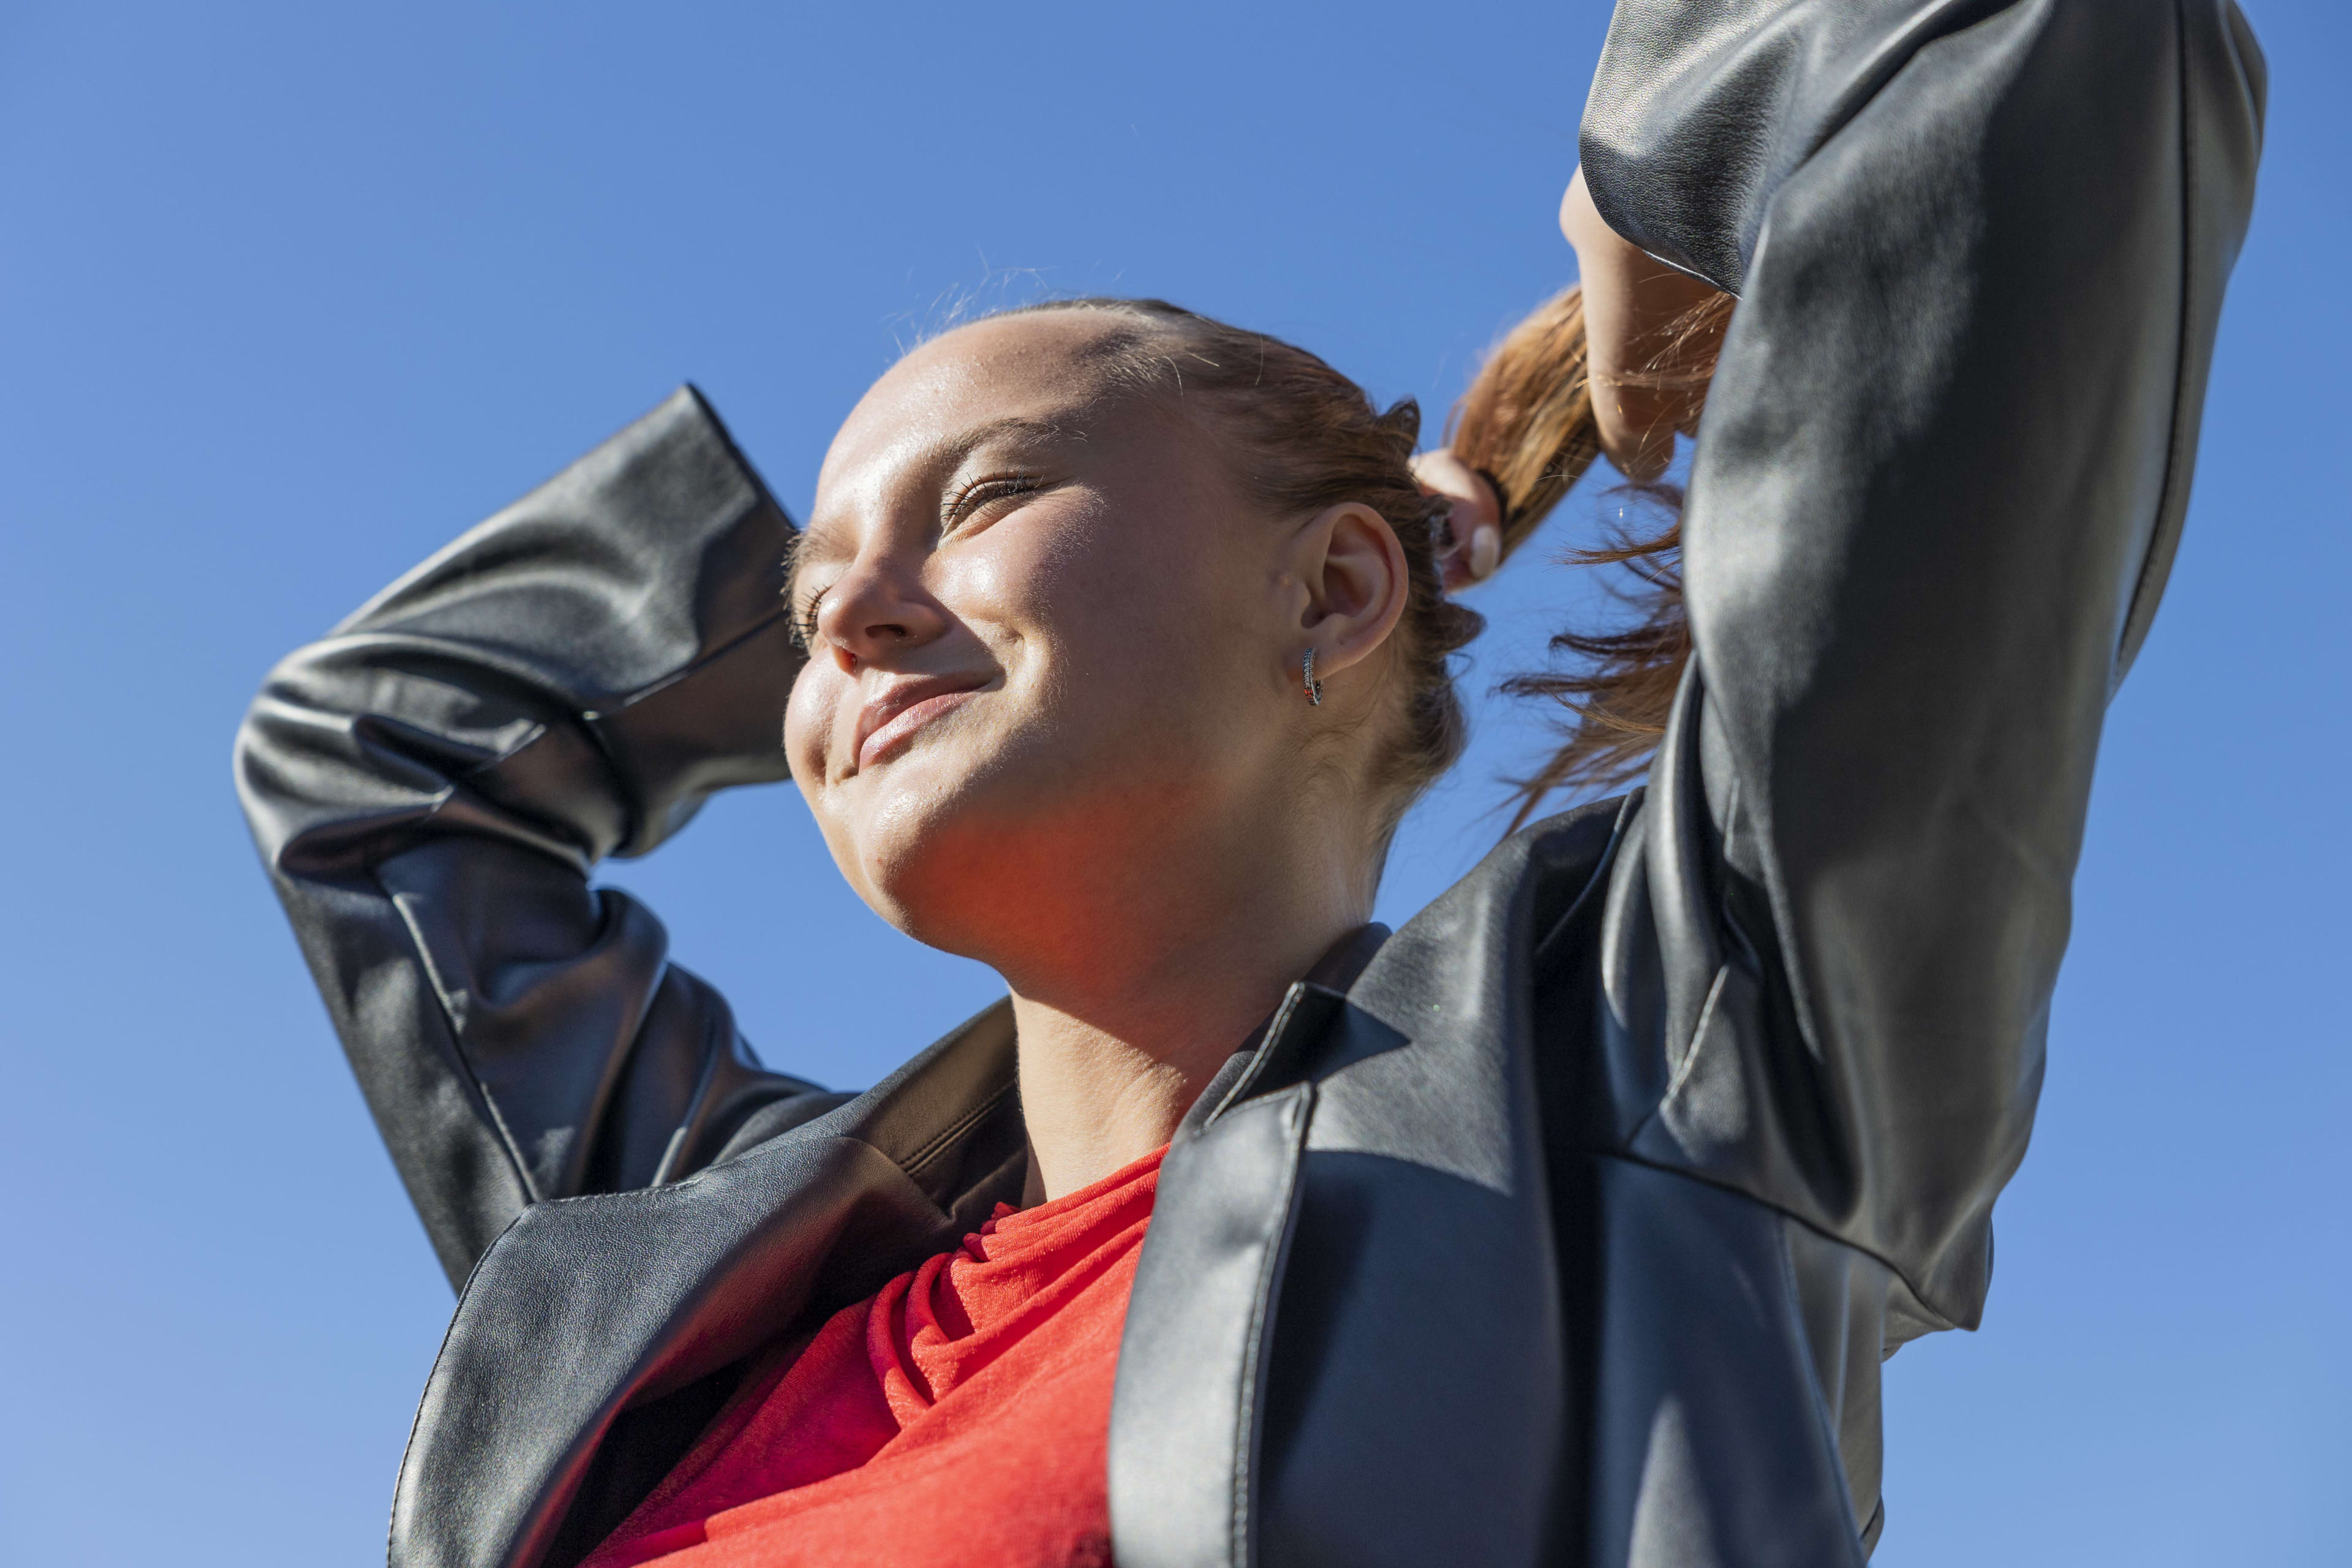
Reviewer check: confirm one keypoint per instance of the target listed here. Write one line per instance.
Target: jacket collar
(589, 1306)
(1385, 1103)
(1356, 1222)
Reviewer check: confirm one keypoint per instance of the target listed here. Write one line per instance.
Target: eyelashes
(980, 492)
(974, 498)
(805, 623)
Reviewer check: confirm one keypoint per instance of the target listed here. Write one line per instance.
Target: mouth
(888, 722)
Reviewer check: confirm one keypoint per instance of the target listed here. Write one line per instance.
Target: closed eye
(981, 493)
(804, 622)
(965, 504)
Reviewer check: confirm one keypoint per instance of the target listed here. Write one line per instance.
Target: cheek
(808, 719)
(1113, 607)
(1137, 656)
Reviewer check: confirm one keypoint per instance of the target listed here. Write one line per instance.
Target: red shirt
(960, 1416)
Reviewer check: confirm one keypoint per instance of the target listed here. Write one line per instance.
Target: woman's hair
(1526, 424)
(1303, 436)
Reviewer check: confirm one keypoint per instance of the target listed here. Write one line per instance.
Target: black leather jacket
(1571, 1225)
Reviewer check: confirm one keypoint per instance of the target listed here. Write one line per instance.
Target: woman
(1570, 1222)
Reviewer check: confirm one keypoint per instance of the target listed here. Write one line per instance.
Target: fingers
(1473, 546)
(1471, 562)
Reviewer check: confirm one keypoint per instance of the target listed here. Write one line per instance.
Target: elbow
(1691, 131)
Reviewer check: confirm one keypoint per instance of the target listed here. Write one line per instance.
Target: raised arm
(1980, 250)
(431, 784)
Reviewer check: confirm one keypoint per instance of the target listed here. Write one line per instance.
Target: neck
(1115, 1048)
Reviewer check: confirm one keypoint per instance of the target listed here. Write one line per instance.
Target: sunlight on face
(1044, 631)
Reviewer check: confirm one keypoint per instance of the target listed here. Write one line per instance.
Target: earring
(1306, 676)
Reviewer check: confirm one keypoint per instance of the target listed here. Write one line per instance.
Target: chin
(934, 841)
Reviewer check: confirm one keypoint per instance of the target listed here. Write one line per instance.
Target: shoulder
(1530, 883)
(1549, 864)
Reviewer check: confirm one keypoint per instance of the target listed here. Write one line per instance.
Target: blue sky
(290, 294)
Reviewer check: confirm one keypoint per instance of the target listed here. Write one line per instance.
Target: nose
(877, 611)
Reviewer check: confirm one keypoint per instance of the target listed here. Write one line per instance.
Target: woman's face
(1053, 645)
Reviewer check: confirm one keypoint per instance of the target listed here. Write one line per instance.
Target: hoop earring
(1313, 688)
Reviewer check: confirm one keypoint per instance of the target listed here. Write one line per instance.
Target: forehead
(1011, 374)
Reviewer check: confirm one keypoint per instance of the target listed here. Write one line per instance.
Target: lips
(893, 716)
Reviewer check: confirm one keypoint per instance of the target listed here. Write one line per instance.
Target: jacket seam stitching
(696, 1105)
(1689, 1064)
(591, 721)
(425, 965)
(2182, 324)
(1594, 882)
(689, 669)
(1824, 1426)
(1944, 1319)
(417, 1421)
(922, 1157)
(1262, 1308)
(1247, 1077)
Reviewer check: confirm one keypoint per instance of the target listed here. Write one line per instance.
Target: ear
(1349, 561)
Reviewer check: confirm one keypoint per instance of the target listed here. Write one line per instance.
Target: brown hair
(1304, 437)
(1527, 423)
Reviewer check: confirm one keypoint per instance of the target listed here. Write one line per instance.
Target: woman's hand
(1650, 343)
(1648, 367)
(1475, 546)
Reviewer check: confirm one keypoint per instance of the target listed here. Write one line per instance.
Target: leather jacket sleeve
(1980, 250)
(431, 785)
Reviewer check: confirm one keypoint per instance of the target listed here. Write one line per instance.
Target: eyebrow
(958, 448)
(942, 455)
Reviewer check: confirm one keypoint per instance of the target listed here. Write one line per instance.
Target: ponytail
(1526, 424)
